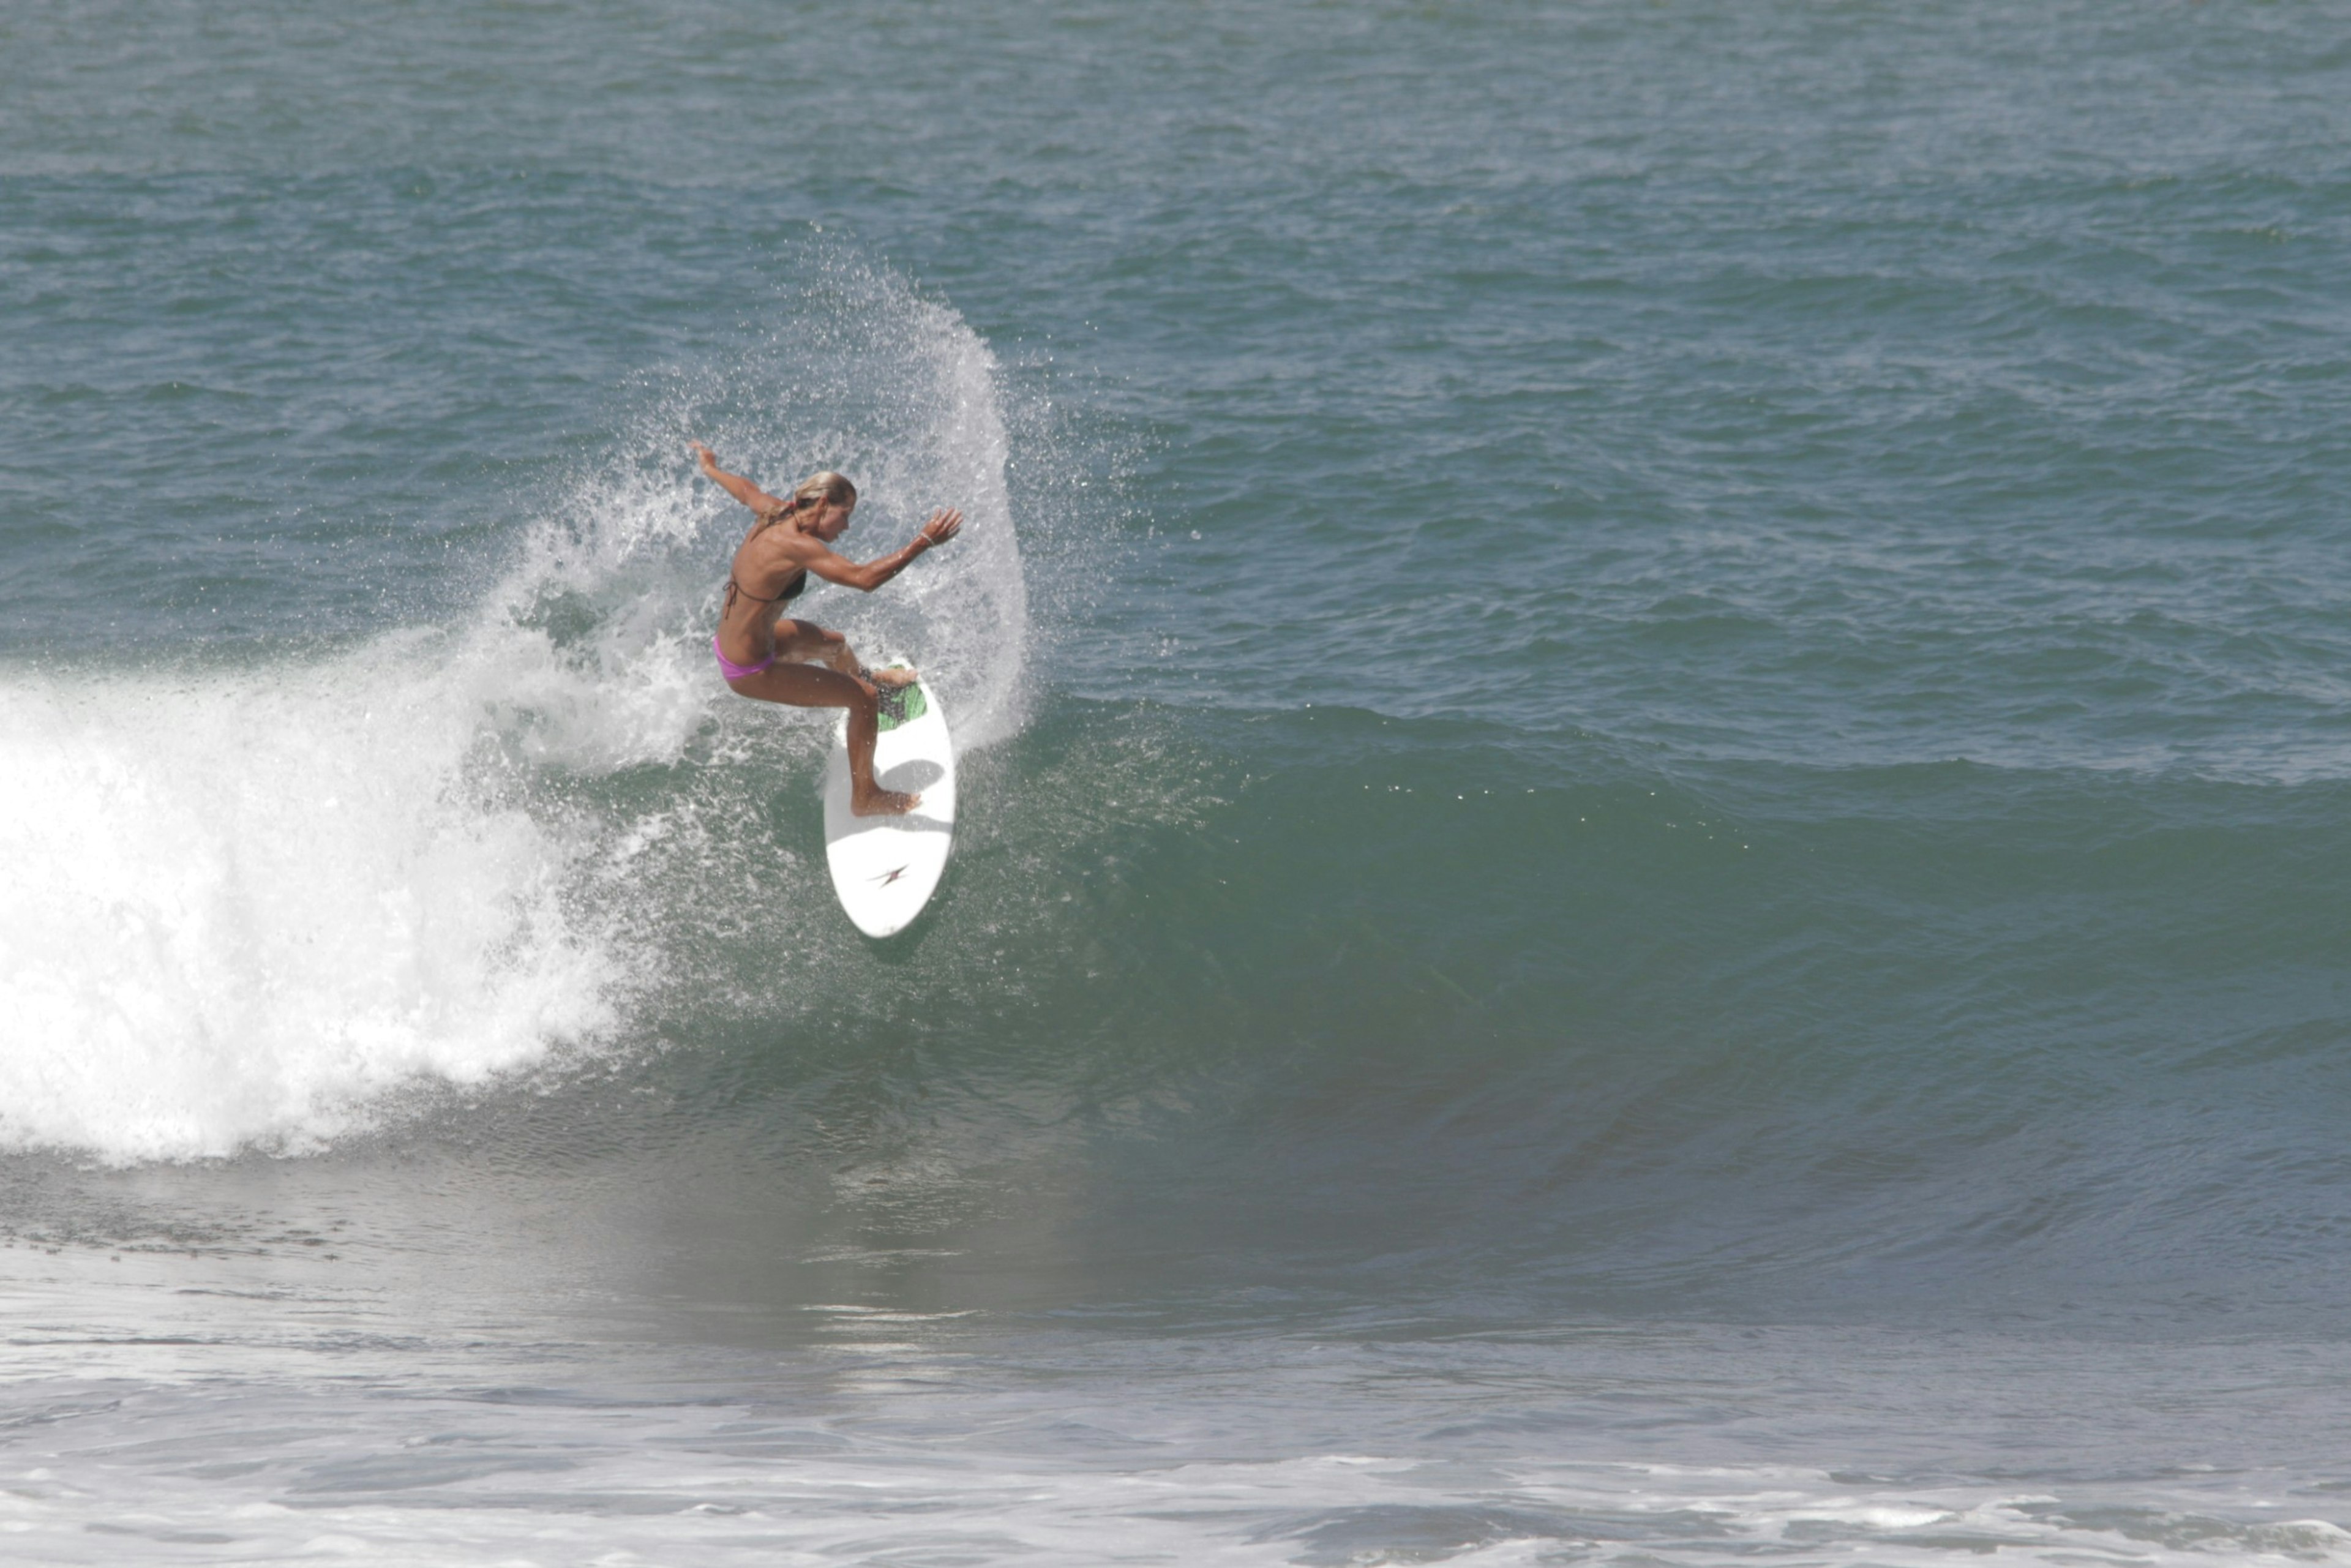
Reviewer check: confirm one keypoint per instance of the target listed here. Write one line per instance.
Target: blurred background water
(1655, 863)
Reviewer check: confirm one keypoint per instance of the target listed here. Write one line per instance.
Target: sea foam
(241, 905)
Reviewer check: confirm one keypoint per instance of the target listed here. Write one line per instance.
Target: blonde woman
(766, 653)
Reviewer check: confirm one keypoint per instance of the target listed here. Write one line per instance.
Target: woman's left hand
(945, 524)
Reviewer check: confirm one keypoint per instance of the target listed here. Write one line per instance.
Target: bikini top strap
(792, 589)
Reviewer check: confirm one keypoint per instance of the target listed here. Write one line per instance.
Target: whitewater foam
(242, 905)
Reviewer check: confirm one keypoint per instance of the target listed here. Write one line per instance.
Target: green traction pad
(904, 706)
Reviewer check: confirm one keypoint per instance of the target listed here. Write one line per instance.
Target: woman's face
(833, 520)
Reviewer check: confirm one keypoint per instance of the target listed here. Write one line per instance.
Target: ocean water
(1657, 858)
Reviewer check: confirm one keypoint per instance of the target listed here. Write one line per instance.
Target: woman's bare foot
(895, 677)
(881, 803)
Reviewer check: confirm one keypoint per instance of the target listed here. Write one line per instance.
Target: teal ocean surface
(1655, 845)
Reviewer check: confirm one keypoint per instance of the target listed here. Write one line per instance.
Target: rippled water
(1653, 866)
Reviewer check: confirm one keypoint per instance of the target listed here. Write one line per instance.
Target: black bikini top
(792, 589)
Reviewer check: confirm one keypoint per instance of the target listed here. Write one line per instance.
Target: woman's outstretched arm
(867, 576)
(735, 485)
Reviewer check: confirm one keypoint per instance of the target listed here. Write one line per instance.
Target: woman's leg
(805, 686)
(808, 642)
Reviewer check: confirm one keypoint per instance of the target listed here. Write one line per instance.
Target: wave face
(1775, 744)
(1637, 940)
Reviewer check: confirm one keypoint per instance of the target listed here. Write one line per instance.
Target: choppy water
(1654, 865)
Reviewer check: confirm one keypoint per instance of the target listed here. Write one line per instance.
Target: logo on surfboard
(887, 877)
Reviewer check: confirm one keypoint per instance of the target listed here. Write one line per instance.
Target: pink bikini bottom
(735, 672)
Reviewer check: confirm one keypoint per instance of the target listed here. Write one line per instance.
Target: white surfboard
(886, 868)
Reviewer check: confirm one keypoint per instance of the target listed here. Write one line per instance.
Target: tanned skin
(814, 665)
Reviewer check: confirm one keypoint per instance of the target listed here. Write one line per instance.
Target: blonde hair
(816, 490)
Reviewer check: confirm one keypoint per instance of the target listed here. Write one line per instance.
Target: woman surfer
(765, 653)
